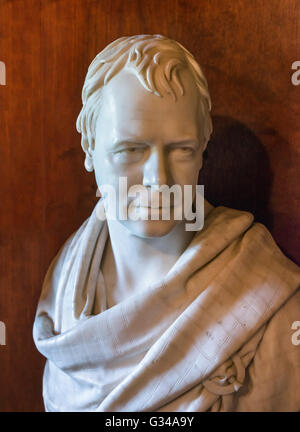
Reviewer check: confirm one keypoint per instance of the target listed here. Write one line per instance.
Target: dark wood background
(246, 50)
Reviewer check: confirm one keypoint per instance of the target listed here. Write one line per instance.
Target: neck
(130, 250)
(130, 262)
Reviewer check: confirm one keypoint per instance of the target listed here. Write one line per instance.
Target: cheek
(132, 174)
(187, 174)
(195, 169)
(98, 176)
(104, 173)
(98, 164)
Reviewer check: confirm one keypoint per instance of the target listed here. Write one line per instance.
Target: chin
(150, 228)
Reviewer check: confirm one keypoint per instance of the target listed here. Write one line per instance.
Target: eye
(187, 149)
(129, 154)
(184, 151)
(129, 150)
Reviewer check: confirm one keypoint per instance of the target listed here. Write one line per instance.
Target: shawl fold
(182, 344)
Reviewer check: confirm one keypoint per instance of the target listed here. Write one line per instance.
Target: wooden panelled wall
(246, 50)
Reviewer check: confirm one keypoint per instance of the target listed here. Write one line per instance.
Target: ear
(88, 163)
(85, 144)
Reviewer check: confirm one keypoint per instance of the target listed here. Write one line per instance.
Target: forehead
(129, 109)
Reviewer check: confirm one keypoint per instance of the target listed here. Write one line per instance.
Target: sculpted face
(150, 140)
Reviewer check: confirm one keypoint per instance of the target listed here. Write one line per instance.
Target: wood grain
(246, 50)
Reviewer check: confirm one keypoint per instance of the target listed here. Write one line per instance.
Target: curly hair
(155, 60)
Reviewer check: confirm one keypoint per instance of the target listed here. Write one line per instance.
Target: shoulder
(274, 374)
(266, 259)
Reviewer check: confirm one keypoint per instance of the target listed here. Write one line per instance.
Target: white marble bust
(141, 314)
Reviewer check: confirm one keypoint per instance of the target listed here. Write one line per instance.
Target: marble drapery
(183, 344)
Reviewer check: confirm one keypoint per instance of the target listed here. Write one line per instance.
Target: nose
(155, 169)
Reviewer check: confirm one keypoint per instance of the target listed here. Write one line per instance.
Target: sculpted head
(146, 117)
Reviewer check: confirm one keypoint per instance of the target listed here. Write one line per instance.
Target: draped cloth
(184, 343)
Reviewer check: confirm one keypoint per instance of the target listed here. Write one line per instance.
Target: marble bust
(139, 313)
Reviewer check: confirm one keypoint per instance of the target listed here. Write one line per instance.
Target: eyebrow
(128, 142)
(184, 141)
(131, 141)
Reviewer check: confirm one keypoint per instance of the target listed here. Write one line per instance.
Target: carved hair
(155, 60)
